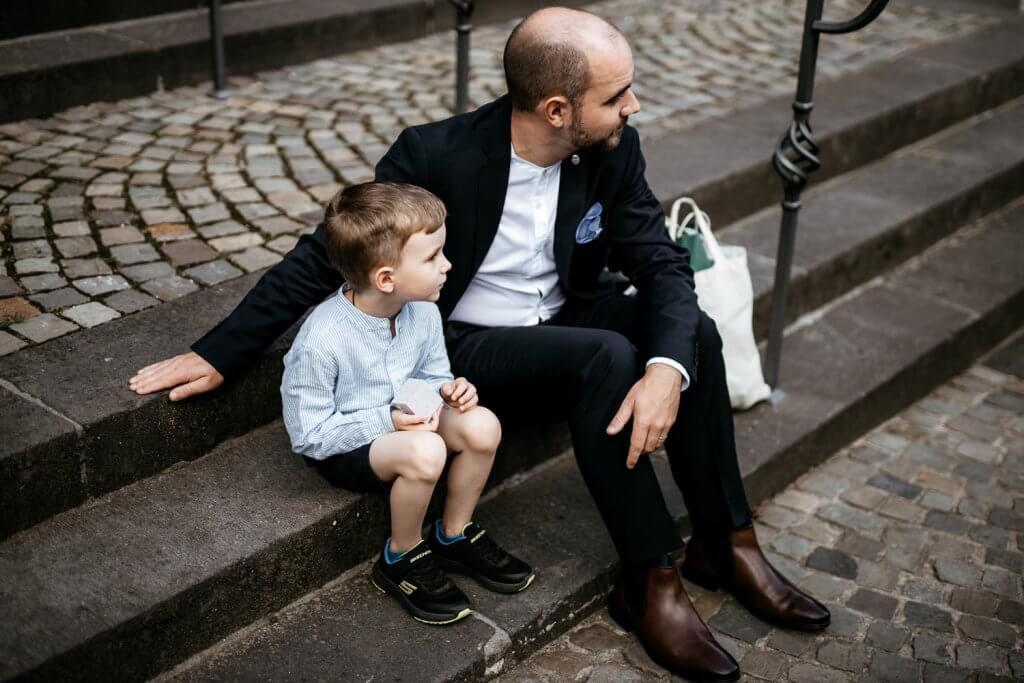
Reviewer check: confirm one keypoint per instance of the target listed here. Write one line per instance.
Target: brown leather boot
(671, 631)
(739, 566)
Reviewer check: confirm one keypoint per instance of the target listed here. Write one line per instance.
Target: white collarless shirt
(517, 283)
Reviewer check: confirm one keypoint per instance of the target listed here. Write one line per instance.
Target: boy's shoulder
(424, 313)
(321, 321)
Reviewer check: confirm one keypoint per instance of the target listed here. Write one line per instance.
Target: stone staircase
(185, 541)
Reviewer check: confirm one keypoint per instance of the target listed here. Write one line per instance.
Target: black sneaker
(418, 584)
(478, 556)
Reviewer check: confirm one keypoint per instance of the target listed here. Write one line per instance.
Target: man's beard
(582, 140)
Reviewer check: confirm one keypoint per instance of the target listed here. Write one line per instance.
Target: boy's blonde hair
(367, 225)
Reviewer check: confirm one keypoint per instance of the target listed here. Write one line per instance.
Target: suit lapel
(572, 194)
(492, 180)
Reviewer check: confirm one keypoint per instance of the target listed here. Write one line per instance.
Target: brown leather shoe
(671, 631)
(741, 568)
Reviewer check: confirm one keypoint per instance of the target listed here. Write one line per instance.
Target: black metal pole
(463, 27)
(220, 90)
(795, 158)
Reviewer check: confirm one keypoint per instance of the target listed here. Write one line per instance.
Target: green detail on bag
(692, 241)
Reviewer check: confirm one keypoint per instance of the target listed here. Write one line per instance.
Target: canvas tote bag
(725, 293)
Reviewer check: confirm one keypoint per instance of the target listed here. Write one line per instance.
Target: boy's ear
(383, 279)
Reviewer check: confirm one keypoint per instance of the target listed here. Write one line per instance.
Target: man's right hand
(188, 374)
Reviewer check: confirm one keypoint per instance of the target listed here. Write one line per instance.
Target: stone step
(45, 73)
(77, 433)
(187, 557)
(857, 364)
(861, 224)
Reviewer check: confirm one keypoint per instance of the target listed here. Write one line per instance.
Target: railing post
(795, 158)
(463, 27)
(220, 90)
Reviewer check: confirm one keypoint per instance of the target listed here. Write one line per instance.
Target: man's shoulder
(456, 129)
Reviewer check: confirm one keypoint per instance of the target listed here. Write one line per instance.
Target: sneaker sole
(388, 587)
(455, 567)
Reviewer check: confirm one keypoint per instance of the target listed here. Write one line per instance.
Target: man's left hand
(653, 403)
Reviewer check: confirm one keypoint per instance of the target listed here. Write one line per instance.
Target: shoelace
(491, 551)
(427, 574)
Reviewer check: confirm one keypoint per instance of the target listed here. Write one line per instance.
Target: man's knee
(613, 357)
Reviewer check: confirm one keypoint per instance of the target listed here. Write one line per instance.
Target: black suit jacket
(465, 161)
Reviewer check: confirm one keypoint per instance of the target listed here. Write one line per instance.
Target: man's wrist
(661, 364)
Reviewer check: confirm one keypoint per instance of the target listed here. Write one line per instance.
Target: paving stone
(84, 267)
(188, 252)
(974, 428)
(285, 243)
(980, 451)
(9, 343)
(847, 656)
(864, 497)
(930, 648)
(886, 636)
(806, 672)
(845, 623)
(32, 249)
(1007, 519)
(128, 254)
(1001, 582)
(170, 287)
(923, 591)
(920, 615)
(944, 521)
(973, 602)
(791, 642)
(614, 673)
(42, 283)
(851, 518)
(975, 658)
(72, 247)
(147, 271)
(895, 486)
(887, 667)
(207, 214)
(874, 604)
(58, 299)
(834, 562)
(170, 232)
(596, 638)
(157, 216)
(236, 242)
(16, 309)
(277, 225)
(764, 664)
(44, 327)
(91, 314)
(956, 572)
(938, 673)
(213, 272)
(35, 265)
(1012, 612)
(1007, 559)
(988, 630)
(125, 234)
(1017, 664)
(974, 470)
(735, 621)
(130, 301)
(112, 218)
(101, 284)
(857, 545)
(71, 229)
(255, 258)
(934, 500)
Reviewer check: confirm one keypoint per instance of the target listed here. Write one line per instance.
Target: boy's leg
(473, 437)
(414, 461)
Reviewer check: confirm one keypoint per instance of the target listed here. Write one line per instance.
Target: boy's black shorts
(350, 471)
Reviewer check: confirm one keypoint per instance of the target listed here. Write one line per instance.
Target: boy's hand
(460, 394)
(415, 423)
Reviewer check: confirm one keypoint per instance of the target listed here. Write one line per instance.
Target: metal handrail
(220, 90)
(795, 158)
(463, 27)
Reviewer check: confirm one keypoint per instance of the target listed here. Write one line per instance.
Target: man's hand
(188, 373)
(460, 394)
(414, 423)
(653, 403)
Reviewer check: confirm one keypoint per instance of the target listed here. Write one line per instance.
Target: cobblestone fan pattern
(914, 536)
(111, 208)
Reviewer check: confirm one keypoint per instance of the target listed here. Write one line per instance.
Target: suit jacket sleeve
(283, 295)
(406, 160)
(657, 267)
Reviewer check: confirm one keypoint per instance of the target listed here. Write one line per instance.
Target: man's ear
(557, 111)
(383, 278)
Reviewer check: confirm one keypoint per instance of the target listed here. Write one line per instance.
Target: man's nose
(632, 105)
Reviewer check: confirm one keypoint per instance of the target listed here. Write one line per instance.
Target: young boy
(353, 353)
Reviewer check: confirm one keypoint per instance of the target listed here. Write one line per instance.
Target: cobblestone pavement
(111, 208)
(914, 536)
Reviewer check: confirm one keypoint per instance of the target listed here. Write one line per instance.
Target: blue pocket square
(590, 227)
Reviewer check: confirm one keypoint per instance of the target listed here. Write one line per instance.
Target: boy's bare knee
(482, 430)
(428, 455)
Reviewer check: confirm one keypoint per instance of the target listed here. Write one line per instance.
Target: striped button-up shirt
(344, 368)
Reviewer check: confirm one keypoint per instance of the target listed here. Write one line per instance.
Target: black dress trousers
(579, 366)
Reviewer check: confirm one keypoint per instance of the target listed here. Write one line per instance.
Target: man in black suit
(545, 188)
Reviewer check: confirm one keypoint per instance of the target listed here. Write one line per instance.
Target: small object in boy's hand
(417, 397)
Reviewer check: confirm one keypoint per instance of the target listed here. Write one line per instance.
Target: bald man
(545, 188)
